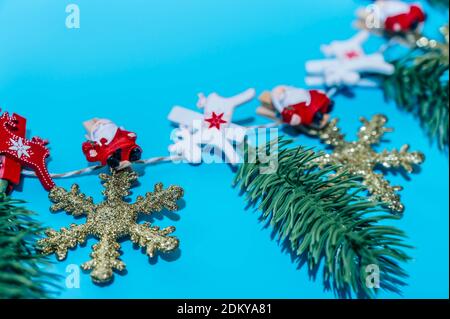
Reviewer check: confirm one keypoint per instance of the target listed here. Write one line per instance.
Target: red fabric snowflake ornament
(10, 169)
(17, 149)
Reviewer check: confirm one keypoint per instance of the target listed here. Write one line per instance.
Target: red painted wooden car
(310, 114)
(117, 146)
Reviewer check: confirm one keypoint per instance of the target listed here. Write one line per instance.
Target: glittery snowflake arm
(324, 160)
(331, 134)
(105, 259)
(117, 186)
(403, 158)
(72, 202)
(60, 242)
(159, 199)
(382, 191)
(372, 131)
(153, 239)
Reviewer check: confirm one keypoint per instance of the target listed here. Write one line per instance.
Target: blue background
(131, 61)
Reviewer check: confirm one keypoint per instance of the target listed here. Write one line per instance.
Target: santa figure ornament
(309, 108)
(110, 144)
(394, 16)
(399, 16)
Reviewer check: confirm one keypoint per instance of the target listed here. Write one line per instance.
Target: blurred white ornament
(346, 64)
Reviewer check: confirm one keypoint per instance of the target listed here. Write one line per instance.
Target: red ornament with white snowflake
(19, 151)
(10, 169)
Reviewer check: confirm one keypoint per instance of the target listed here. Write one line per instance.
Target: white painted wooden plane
(212, 129)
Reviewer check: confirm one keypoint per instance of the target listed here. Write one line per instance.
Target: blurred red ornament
(319, 105)
(405, 22)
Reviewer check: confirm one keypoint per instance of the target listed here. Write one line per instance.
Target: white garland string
(87, 170)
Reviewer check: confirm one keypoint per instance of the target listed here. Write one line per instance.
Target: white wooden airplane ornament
(212, 129)
(346, 64)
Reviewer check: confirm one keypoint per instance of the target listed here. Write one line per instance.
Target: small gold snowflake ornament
(361, 160)
(111, 220)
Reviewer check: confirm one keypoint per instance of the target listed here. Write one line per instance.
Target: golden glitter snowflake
(360, 159)
(111, 220)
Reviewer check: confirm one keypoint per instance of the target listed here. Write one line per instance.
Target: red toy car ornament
(309, 112)
(401, 17)
(109, 144)
(309, 108)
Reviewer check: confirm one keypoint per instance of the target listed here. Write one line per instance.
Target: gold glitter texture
(111, 220)
(360, 159)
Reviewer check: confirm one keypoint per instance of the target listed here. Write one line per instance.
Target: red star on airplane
(352, 55)
(216, 120)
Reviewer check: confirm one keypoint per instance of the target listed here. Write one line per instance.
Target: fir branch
(21, 268)
(323, 217)
(420, 85)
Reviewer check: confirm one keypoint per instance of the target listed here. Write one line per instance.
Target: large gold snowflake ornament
(361, 160)
(111, 220)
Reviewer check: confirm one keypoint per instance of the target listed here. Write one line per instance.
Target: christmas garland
(325, 217)
(337, 199)
(316, 202)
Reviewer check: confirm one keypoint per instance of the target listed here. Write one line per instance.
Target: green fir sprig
(326, 218)
(22, 273)
(417, 87)
(420, 86)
